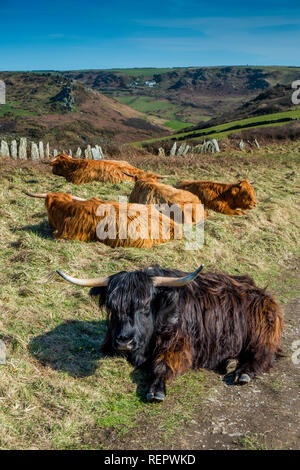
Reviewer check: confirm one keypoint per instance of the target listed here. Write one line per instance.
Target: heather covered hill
(274, 100)
(186, 95)
(51, 107)
(133, 105)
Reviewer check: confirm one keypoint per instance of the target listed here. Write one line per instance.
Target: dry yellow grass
(55, 390)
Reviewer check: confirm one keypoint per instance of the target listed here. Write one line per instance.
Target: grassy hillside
(190, 94)
(56, 392)
(274, 100)
(165, 109)
(148, 72)
(97, 107)
(228, 128)
(50, 107)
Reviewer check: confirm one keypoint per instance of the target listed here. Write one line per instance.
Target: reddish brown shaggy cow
(112, 223)
(229, 199)
(148, 191)
(79, 171)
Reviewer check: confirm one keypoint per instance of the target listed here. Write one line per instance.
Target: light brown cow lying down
(112, 223)
(79, 171)
(229, 199)
(186, 206)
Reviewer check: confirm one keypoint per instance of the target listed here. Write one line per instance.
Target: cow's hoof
(159, 396)
(150, 396)
(244, 379)
(231, 365)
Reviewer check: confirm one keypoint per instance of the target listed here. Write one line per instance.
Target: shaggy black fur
(212, 319)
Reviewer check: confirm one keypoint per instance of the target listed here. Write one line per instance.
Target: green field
(178, 125)
(141, 72)
(223, 130)
(15, 108)
(146, 104)
(163, 109)
(56, 391)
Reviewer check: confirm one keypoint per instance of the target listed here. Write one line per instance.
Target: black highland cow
(170, 321)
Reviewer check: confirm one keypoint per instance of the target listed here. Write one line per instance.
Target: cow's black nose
(124, 344)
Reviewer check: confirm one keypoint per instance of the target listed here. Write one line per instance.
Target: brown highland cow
(79, 171)
(112, 223)
(147, 190)
(228, 199)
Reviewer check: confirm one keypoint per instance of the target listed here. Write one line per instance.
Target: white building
(150, 83)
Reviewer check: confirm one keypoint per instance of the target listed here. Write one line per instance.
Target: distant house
(150, 83)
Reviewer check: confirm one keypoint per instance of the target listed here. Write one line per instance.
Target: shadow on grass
(72, 347)
(143, 381)
(42, 230)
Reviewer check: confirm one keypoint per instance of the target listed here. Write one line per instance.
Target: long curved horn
(150, 175)
(41, 195)
(176, 281)
(76, 198)
(128, 174)
(163, 176)
(157, 281)
(97, 282)
(59, 155)
(44, 195)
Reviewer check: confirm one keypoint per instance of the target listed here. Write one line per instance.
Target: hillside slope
(274, 100)
(50, 106)
(197, 135)
(71, 109)
(186, 94)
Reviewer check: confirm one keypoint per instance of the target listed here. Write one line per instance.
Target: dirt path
(261, 415)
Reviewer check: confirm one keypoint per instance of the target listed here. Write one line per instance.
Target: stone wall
(180, 150)
(25, 149)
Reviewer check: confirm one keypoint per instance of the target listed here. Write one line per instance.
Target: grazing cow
(79, 171)
(112, 223)
(185, 205)
(169, 321)
(229, 199)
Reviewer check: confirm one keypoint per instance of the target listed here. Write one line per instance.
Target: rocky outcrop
(64, 100)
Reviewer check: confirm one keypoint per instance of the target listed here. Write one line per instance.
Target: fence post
(23, 149)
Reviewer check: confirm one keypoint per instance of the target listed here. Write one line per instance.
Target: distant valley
(185, 96)
(132, 105)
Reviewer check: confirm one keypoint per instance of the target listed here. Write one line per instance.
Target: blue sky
(73, 34)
